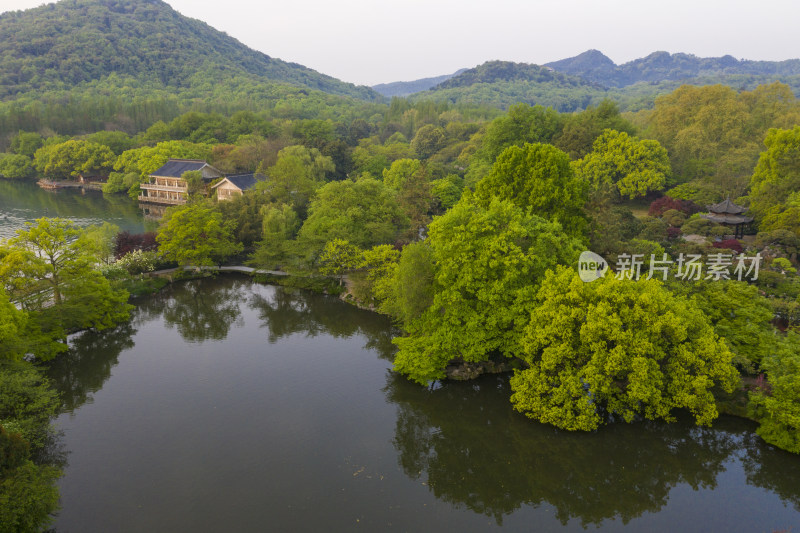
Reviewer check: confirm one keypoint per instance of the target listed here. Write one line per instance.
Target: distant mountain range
(594, 66)
(585, 79)
(126, 62)
(405, 88)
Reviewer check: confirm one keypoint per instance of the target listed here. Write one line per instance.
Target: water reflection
(200, 314)
(462, 439)
(473, 451)
(83, 369)
(290, 311)
(24, 201)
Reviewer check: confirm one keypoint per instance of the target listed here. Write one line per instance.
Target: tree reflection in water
(474, 451)
(462, 438)
(87, 365)
(288, 311)
(202, 311)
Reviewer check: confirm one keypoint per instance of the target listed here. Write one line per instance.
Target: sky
(373, 41)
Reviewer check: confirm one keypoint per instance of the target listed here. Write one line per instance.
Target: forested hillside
(59, 45)
(503, 83)
(82, 65)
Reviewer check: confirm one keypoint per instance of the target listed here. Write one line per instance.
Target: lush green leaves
(538, 178)
(617, 348)
(487, 262)
(633, 166)
(195, 234)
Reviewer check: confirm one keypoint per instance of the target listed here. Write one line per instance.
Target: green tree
(26, 143)
(487, 262)
(522, 124)
(68, 159)
(99, 241)
(581, 129)
(15, 166)
(53, 261)
(537, 177)
(279, 225)
(338, 258)
(363, 212)
(194, 182)
(777, 407)
(406, 287)
(428, 140)
(633, 166)
(297, 174)
(28, 491)
(739, 315)
(195, 234)
(776, 179)
(617, 348)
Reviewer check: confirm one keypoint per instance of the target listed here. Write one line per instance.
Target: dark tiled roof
(727, 207)
(723, 218)
(245, 181)
(174, 168)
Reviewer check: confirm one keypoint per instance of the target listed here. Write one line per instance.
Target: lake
(23, 201)
(227, 405)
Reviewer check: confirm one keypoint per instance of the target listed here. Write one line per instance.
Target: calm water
(24, 201)
(231, 406)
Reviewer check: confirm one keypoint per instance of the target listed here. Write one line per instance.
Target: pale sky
(372, 41)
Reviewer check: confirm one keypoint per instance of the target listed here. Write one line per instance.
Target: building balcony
(163, 201)
(155, 187)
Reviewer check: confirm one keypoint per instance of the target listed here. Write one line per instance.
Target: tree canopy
(617, 349)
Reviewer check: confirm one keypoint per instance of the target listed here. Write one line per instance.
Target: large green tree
(296, 175)
(363, 212)
(777, 406)
(53, 262)
(487, 262)
(632, 166)
(68, 159)
(775, 183)
(195, 234)
(617, 349)
(538, 178)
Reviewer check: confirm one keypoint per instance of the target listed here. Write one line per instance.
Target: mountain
(405, 88)
(663, 66)
(503, 83)
(57, 46)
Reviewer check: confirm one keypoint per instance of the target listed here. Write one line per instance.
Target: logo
(591, 266)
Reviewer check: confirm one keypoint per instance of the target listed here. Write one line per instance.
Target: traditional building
(167, 186)
(729, 214)
(236, 185)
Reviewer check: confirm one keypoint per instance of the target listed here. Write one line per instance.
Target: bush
(138, 262)
(729, 244)
(674, 218)
(127, 242)
(667, 203)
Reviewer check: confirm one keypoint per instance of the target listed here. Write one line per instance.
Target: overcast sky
(372, 41)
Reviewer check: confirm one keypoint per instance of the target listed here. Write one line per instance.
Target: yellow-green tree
(485, 264)
(632, 166)
(195, 234)
(617, 349)
(537, 178)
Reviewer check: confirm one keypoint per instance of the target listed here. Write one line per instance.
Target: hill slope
(76, 41)
(503, 83)
(405, 88)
